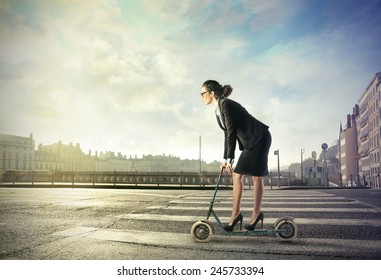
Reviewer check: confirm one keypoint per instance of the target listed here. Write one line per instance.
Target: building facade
(59, 156)
(348, 154)
(374, 133)
(17, 152)
(367, 149)
(369, 133)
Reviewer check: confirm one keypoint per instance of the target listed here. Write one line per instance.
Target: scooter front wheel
(202, 231)
(286, 229)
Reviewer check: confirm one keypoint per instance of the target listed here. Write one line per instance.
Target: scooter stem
(217, 185)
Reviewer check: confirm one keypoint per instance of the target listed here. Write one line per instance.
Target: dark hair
(219, 90)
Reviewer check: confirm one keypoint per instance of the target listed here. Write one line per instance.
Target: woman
(254, 140)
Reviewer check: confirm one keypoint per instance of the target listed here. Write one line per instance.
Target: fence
(128, 178)
(114, 178)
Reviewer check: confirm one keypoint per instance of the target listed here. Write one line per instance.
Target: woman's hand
(227, 166)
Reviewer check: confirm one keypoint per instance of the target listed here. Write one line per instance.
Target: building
(348, 155)
(17, 152)
(360, 149)
(46, 160)
(59, 156)
(108, 161)
(368, 133)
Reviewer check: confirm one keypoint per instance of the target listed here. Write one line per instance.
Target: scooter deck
(249, 233)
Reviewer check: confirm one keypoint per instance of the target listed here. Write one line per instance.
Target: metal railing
(137, 178)
(114, 178)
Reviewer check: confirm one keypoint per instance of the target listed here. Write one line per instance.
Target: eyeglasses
(203, 93)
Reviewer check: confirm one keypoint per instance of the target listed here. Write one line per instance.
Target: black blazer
(239, 125)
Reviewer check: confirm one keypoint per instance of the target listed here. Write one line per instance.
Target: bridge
(133, 178)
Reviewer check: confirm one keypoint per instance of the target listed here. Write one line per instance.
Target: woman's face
(207, 96)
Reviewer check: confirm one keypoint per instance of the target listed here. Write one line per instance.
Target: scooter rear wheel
(202, 231)
(286, 230)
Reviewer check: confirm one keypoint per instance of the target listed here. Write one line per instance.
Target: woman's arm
(229, 117)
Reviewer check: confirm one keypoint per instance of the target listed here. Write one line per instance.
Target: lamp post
(276, 152)
(199, 157)
(324, 147)
(301, 164)
(199, 152)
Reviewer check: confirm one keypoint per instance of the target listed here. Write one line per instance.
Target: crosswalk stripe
(270, 202)
(273, 209)
(198, 198)
(300, 196)
(299, 221)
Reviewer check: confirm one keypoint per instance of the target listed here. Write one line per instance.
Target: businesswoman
(254, 140)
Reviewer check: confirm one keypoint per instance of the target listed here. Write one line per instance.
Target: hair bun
(219, 90)
(226, 90)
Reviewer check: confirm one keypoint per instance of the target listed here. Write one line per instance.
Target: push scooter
(202, 231)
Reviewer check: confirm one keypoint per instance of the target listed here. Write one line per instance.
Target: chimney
(349, 121)
(356, 110)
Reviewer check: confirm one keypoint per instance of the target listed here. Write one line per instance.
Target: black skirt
(254, 162)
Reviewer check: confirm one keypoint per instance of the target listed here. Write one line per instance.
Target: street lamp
(276, 152)
(301, 163)
(324, 147)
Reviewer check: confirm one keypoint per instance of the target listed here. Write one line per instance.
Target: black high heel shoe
(251, 227)
(230, 228)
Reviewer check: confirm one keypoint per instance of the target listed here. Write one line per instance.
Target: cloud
(126, 75)
(267, 14)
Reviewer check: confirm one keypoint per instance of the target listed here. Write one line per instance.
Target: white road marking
(274, 209)
(266, 202)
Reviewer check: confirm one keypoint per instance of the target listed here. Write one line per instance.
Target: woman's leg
(258, 194)
(237, 196)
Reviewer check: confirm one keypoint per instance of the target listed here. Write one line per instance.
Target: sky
(126, 76)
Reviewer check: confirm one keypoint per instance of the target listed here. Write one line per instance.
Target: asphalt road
(115, 224)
